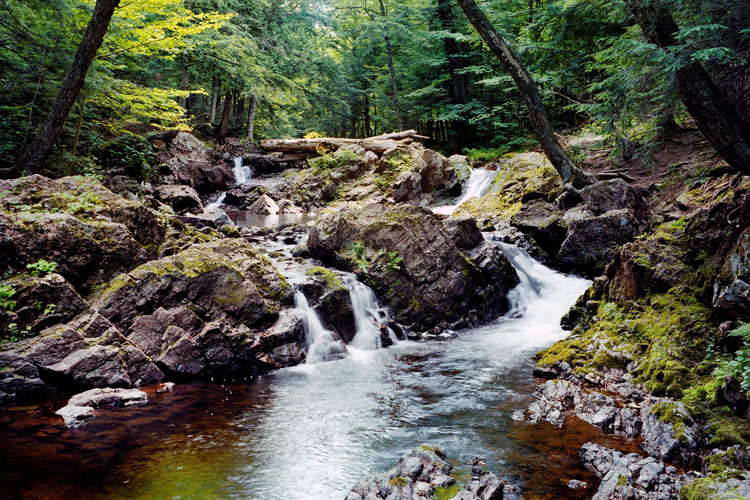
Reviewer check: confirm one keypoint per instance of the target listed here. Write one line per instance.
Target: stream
(312, 431)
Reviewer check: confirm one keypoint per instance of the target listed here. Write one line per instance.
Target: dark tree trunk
(185, 82)
(530, 93)
(458, 81)
(33, 160)
(368, 128)
(389, 54)
(224, 125)
(712, 110)
(251, 121)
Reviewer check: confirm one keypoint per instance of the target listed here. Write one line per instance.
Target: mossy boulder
(522, 177)
(405, 254)
(89, 231)
(225, 279)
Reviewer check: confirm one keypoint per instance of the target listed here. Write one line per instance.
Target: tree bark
(251, 120)
(185, 82)
(389, 54)
(224, 125)
(458, 81)
(34, 158)
(530, 93)
(311, 146)
(80, 122)
(716, 118)
(214, 101)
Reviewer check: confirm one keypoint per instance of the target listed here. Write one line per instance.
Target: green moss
(727, 430)
(332, 281)
(622, 480)
(434, 449)
(701, 489)
(398, 481)
(446, 493)
(669, 413)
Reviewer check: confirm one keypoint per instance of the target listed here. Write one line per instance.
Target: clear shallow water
(312, 431)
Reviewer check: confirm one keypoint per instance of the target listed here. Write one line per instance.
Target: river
(312, 431)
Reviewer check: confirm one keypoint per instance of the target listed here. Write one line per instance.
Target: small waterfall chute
(322, 344)
(242, 174)
(370, 318)
(217, 203)
(479, 182)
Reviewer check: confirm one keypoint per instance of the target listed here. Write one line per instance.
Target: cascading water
(322, 345)
(309, 433)
(479, 181)
(242, 174)
(217, 203)
(370, 318)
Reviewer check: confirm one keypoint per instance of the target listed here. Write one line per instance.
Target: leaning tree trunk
(251, 121)
(719, 121)
(33, 160)
(530, 93)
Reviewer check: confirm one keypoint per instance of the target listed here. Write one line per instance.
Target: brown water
(312, 431)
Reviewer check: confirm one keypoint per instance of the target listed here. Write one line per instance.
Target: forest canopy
(356, 68)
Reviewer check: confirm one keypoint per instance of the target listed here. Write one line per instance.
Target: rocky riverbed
(111, 288)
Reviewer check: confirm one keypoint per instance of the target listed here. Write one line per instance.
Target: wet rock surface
(83, 406)
(407, 256)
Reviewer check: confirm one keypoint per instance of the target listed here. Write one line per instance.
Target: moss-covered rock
(219, 279)
(405, 254)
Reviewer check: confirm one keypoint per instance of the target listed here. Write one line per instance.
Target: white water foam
(479, 181)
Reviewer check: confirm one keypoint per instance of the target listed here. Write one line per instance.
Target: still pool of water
(312, 431)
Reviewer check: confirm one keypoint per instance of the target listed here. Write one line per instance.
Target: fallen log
(404, 134)
(313, 146)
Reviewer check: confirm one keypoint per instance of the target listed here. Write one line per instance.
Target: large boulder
(223, 279)
(732, 290)
(543, 222)
(592, 239)
(407, 187)
(616, 194)
(405, 254)
(435, 171)
(521, 178)
(181, 198)
(192, 163)
(41, 218)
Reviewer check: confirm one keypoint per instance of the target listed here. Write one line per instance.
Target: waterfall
(543, 296)
(217, 203)
(322, 345)
(479, 181)
(241, 173)
(369, 317)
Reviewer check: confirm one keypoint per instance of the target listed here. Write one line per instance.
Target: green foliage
(358, 253)
(6, 294)
(398, 482)
(131, 153)
(738, 365)
(393, 260)
(328, 161)
(41, 267)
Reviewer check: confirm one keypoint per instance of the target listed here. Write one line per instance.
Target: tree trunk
(214, 101)
(33, 160)
(80, 122)
(251, 120)
(458, 80)
(389, 53)
(530, 93)
(368, 128)
(224, 126)
(717, 119)
(185, 82)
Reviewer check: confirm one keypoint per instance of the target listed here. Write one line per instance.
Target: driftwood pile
(303, 148)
